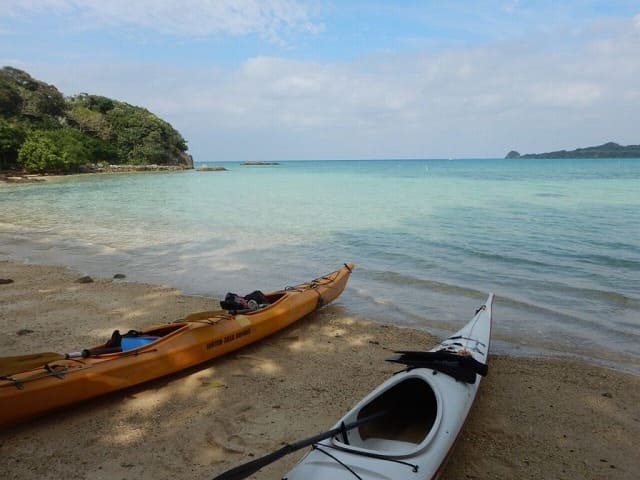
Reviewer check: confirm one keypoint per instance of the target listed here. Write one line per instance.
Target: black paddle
(246, 469)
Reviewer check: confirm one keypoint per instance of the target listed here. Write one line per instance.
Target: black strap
(343, 432)
(461, 367)
(347, 467)
(414, 467)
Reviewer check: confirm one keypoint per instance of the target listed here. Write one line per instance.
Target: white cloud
(560, 94)
(272, 19)
(542, 93)
(27, 7)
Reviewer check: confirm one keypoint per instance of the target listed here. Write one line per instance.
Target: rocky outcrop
(19, 178)
(134, 168)
(182, 159)
(207, 168)
(255, 162)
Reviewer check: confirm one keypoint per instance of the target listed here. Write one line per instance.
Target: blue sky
(285, 79)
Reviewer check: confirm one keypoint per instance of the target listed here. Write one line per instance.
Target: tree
(141, 137)
(10, 99)
(11, 138)
(38, 152)
(57, 151)
(89, 121)
(38, 98)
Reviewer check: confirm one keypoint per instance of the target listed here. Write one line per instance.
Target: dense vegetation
(607, 150)
(42, 131)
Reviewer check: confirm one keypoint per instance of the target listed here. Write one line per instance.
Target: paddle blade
(23, 363)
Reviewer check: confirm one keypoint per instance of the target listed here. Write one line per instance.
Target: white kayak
(406, 428)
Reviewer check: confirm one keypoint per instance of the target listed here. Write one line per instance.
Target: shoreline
(510, 345)
(23, 177)
(533, 418)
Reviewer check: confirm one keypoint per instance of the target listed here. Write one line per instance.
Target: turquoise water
(558, 241)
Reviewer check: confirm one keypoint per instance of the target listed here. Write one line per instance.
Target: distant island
(42, 131)
(607, 150)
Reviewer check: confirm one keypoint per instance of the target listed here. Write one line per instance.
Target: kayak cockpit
(131, 340)
(403, 416)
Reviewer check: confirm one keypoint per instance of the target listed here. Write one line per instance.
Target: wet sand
(533, 419)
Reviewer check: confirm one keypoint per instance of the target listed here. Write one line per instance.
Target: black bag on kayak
(234, 302)
(258, 297)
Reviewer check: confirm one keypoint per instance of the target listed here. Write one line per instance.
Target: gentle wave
(557, 241)
(531, 310)
(606, 261)
(433, 285)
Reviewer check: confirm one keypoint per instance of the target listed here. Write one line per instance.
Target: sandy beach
(534, 418)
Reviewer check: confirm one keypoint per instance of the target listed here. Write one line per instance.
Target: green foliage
(61, 150)
(141, 137)
(10, 99)
(149, 151)
(100, 151)
(89, 121)
(11, 138)
(38, 98)
(95, 103)
(40, 130)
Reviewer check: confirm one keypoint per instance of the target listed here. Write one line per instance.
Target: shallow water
(558, 241)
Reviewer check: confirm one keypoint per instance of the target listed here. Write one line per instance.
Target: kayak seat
(130, 340)
(387, 445)
(129, 343)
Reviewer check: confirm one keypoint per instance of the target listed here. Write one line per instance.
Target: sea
(556, 240)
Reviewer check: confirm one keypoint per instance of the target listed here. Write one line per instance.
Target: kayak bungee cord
(324, 281)
(347, 467)
(414, 467)
(60, 371)
(468, 337)
(460, 337)
(477, 317)
(317, 282)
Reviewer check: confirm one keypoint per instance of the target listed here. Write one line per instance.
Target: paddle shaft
(246, 469)
(86, 353)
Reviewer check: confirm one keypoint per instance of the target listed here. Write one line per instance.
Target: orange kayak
(31, 385)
